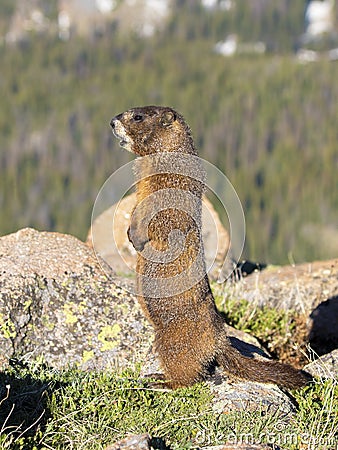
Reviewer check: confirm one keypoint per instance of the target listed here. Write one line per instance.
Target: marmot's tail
(262, 371)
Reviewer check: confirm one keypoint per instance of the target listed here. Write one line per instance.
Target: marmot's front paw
(136, 239)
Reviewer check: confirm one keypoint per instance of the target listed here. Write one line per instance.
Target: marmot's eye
(138, 117)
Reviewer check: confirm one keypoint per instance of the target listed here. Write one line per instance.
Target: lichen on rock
(59, 301)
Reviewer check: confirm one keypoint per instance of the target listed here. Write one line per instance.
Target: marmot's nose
(114, 119)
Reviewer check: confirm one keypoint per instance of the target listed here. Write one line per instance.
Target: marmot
(165, 229)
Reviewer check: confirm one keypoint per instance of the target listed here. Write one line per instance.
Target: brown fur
(189, 332)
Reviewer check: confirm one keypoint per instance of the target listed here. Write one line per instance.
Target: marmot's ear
(168, 117)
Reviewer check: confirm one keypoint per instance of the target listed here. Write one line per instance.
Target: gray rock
(133, 442)
(301, 287)
(246, 395)
(325, 367)
(58, 300)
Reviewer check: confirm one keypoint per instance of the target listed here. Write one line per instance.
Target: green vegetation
(317, 407)
(41, 408)
(283, 332)
(268, 122)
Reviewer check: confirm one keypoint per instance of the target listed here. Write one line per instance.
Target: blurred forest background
(268, 121)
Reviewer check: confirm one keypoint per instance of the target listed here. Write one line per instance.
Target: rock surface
(133, 442)
(325, 367)
(108, 236)
(249, 396)
(301, 287)
(59, 301)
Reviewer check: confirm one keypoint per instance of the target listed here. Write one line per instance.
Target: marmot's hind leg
(183, 359)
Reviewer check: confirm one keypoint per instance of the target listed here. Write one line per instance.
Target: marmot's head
(152, 129)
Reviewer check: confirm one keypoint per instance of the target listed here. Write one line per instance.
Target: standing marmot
(173, 287)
